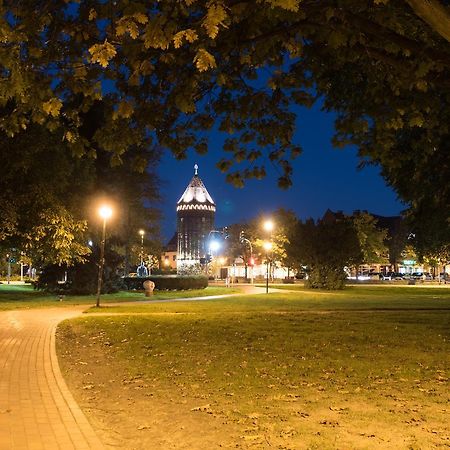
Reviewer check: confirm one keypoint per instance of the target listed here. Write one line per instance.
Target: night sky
(324, 177)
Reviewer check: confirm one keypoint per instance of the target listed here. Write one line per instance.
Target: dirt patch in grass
(260, 380)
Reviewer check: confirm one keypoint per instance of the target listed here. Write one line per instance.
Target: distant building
(169, 255)
(195, 220)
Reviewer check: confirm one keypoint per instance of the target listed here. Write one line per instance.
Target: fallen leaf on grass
(337, 408)
(287, 432)
(252, 437)
(143, 427)
(329, 422)
(205, 408)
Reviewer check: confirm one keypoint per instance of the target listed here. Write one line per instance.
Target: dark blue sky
(324, 177)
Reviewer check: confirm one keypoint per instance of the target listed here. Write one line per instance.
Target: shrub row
(168, 282)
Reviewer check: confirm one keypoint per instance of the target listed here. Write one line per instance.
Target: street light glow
(267, 246)
(268, 225)
(141, 232)
(105, 212)
(214, 246)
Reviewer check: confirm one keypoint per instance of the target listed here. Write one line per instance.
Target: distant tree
(398, 240)
(372, 239)
(48, 197)
(40, 186)
(286, 225)
(326, 248)
(236, 244)
(58, 238)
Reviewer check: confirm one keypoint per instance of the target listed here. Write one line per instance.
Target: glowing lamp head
(267, 246)
(214, 245)
(268, 225)
(105, 212)
(141, 232)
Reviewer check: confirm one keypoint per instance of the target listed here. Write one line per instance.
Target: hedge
(168, 282)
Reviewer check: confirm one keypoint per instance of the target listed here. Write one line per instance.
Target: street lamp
(268, 225)
(142, 233)
(267, 247)
(105, 213)
(244, 239)
(213, 248)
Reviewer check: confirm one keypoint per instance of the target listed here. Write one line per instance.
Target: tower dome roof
(196, 196)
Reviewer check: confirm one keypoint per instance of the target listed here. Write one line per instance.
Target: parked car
(393, 276)
(445, 277)
(421, 276)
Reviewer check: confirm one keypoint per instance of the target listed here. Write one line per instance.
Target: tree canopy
(326, 248)
(168, 72)
(48, 197)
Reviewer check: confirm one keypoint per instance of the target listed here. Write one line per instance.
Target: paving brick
(37, 410)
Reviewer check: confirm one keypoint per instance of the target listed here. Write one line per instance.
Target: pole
(267, 273)
(102, 262)
(9, 270)
(251, 260)
(142, 249)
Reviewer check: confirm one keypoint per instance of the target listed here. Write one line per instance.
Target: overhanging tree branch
(435, 14)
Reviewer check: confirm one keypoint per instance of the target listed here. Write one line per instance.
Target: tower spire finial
(195, 169)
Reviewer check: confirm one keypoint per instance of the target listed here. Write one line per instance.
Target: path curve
(37, 410)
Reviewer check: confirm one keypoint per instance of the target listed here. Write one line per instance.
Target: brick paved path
(37, 410)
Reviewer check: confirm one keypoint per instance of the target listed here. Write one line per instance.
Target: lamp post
(267, 247)
(105, 213)
(213, 247)
(268, 226)
(142, 233)
(244, 239)
(8, 274)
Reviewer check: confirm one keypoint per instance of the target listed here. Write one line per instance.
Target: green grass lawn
(367, 367)
(352, 298)
(24, 296)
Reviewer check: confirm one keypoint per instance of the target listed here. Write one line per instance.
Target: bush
(326, 278)
(168, 282)
(326, 248)
(82, 278)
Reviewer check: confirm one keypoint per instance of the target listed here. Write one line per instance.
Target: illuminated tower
(195, 219)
